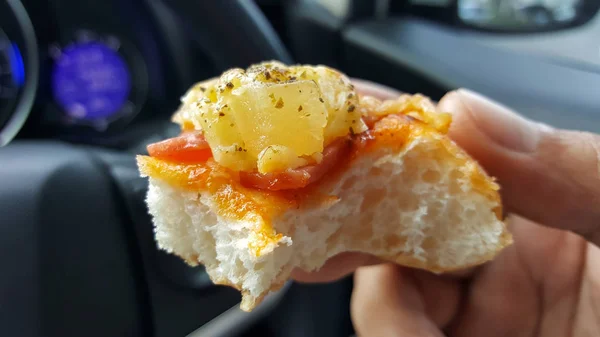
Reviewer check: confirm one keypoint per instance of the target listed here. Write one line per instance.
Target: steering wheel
(75, 234)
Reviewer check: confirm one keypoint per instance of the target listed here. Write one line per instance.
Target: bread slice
(420, 202)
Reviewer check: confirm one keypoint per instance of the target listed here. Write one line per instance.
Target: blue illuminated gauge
(11, 70)
(12, 79)
(91, 81)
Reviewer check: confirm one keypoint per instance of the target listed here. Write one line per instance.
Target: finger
(531, 285)
(376, 90)
(441, 295)
(462, 274)
(335, 268)
(548, 175)
(502, 301)
(345, 264)
(388, 301)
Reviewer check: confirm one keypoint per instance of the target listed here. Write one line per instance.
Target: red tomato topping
(192, 148)
(189, 148)
(302, 176)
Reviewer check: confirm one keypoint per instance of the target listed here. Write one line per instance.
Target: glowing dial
(90, 81)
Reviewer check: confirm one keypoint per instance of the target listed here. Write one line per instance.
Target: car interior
(86, 85)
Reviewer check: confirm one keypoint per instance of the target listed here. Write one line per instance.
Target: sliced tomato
(302, 176)
(189, 148)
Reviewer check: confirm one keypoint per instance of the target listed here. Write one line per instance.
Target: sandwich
(280, 167)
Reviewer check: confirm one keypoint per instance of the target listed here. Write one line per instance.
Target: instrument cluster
(83, 71)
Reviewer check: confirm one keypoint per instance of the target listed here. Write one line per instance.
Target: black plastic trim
(233, 33)
(64, 251)
(448, 59)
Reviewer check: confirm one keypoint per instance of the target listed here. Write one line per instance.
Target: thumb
(548, 175)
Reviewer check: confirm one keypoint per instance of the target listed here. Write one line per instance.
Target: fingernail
(502, 125)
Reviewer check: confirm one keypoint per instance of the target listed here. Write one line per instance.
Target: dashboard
(84, 71)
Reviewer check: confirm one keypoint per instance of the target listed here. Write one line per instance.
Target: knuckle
(591, 147)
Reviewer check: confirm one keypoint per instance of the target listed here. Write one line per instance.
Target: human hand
(546, 284)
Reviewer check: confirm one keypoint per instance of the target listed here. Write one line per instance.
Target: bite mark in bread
(407, 194)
